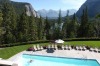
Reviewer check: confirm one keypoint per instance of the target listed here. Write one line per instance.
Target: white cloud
(73, 3)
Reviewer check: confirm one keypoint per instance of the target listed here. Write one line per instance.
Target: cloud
(73, 3)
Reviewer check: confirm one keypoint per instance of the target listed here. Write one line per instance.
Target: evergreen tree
(84, 23)
(97, 25)
(59, 20)
(65, 26)
(47, 28)
(91, 31)
(73, 27)
(23, 27)
(1, 30)
(40, 28)
(9, 21)
(32, 29)
(13, 24)
(58, 26)
(52, 30)
(1, 18)
(97, 16)
(10, 38)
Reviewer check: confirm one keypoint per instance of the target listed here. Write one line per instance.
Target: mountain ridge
(55, 13)
(93, 8)
(21, 6)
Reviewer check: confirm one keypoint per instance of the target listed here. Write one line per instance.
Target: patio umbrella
(59, 41)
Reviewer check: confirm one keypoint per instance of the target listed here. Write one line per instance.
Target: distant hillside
(20, 6)
(93, 8)
(54, 14)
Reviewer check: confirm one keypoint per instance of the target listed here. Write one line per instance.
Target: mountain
(21, 6)
(30, 11)
(53, 13)
(93, 8)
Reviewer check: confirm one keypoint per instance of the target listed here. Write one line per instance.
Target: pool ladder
(84, 58)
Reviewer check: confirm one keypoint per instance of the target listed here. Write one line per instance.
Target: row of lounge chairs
(63, 47)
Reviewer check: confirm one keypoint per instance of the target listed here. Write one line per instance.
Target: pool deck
(60, 53)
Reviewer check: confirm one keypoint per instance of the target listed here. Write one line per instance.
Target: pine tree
(65, 26)
(32, 29)
(1, 18)
(47, 28)
(23, 27)
(10, 38)
(40, 28)
(52, 30)
(1, 30)
(91, 31)
(13, 24)
(13, 20)
(8, 22)
(73, 27)
(59, 19)
(59, 26)
(97, 25)
(97, 16)
(84, 23)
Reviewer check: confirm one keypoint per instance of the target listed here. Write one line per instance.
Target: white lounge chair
(34, 46)
(55, 46)
(67, 47)
(62, 46)
(38, 47)
(98, 50)
(41, 47)
(95, 50)
(52, 46)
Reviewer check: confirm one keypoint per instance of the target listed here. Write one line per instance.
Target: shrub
(23, 43)
(30, 49)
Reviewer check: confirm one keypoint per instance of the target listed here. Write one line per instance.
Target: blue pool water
(56, 61)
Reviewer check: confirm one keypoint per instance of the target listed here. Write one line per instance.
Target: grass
(9, 52)
(87, 43)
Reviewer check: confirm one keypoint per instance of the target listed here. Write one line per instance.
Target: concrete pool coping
(60, 53)
(7, 63)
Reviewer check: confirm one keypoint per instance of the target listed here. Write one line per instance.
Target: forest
(16, 27)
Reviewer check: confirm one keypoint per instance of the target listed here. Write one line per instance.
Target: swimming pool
(37, 60)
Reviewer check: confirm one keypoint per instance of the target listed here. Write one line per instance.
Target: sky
(54, 4)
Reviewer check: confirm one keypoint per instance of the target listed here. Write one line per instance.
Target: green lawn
(87, 43)
(9, 52)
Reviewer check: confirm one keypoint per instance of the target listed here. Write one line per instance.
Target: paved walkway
(60, 53)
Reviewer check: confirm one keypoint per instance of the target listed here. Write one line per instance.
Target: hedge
(82, 39)
(46, 41)
(23, 43)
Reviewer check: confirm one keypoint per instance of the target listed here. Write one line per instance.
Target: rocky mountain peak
(30, 11)
(20, 6)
